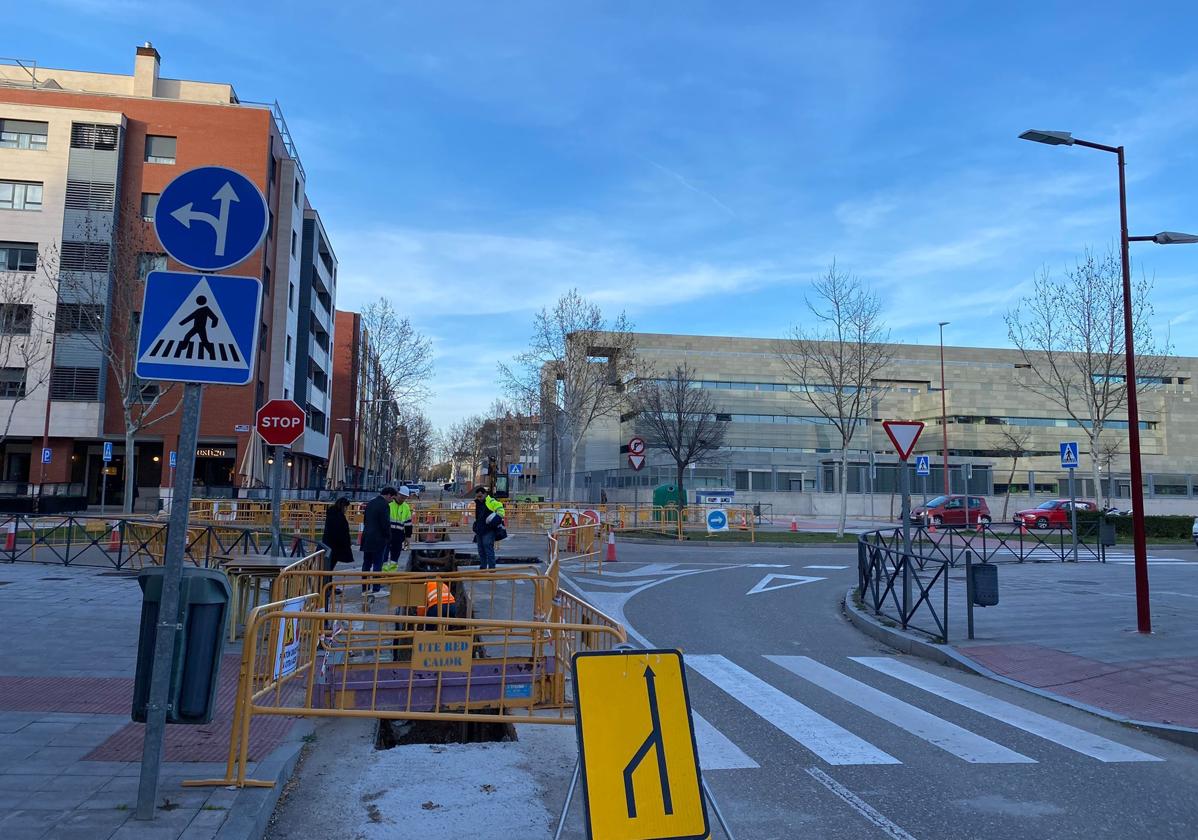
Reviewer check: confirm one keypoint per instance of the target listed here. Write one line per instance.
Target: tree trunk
(681, 468)
(1095, 471)
(570, 466)
(1006, 501)
(844, 490)
(130, 470)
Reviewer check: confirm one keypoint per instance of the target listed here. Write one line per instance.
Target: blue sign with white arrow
(1069, 460)
(107, 450)
(717, 520)
(211, 218)
(199, 328)
(923, 465)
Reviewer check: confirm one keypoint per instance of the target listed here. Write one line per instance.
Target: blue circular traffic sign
(211, 218)
(717, 520)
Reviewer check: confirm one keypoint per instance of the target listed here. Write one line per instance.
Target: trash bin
(204, 596)
(665, 496)
(1106, 533)
(985, 584)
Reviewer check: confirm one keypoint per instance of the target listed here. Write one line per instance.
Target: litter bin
(984, 584)
(1106, 533)
(204, 596)
(665, 496)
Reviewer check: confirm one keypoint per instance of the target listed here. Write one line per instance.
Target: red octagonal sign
(280, 422)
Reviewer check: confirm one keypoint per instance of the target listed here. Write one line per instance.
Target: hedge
(1155, 527)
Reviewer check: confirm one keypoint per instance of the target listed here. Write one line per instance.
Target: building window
(289, 348)
(78, 317)
(18, 256)
(92, 136)
(12, 383)
(297, 193)
(149, 203)
(23, 134)
(291, 296)
(266, 281)
(148, 392)
(90, 195)
(294, 242)
(75, 384)
(150, 262)
(84, 256)
(160, 149)
(16, 318)
(20, 195)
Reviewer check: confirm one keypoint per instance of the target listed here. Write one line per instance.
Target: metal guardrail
(998, 543)
(902, 586)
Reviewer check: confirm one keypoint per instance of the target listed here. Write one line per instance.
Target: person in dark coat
(336, 535)
(376, 532)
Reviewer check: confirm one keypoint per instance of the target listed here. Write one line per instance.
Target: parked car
(1194, 532)
(1051, 514)
(951, 510)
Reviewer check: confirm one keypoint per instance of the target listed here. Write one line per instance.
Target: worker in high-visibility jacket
(438, 600)
(401, 524)
(488, 515)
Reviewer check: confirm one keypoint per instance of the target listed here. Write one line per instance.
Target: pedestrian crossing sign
(199, 328)
(1069, 459)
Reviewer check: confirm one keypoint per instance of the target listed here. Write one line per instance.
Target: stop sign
(280, 422)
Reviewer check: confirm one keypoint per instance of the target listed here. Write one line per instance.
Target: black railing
(999, 543)
(903, 586)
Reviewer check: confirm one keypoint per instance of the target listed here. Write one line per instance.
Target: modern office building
(83, 159)
(779, 450)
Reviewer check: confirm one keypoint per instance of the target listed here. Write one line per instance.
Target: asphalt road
(808, 729)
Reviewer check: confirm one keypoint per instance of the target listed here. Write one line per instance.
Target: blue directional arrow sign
(107, 450)
(515, 469)
(211, 218)
(717, 520)
(199, 328)
(923, 465)
(1069, 460)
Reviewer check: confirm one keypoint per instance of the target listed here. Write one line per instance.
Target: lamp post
(944, 413)
(1139, 541)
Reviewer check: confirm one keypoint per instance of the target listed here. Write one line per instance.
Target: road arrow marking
(185, 215)
(793, 580)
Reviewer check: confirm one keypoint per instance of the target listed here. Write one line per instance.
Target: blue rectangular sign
(1069, 459)
(923, 465)
(515, 469)
(107, 450)
(174, 459)
(46, 455)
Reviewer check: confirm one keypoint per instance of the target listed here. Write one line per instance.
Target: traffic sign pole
(168, 607)
(276, 504)
(1073, 513)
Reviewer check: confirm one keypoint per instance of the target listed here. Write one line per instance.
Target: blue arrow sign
(1069, 460)
(107, 450)
(211, 218)
(199, 328)
(717, 520)
(515, 469)
(923, 465)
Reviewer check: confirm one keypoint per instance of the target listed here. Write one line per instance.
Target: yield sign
(903, 434)
(763, 585)
(636, 461)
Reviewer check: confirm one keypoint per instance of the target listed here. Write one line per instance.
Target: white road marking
(830, 742)
(767, 566)
(887, 826)
(716, 751)
(645, 571)
(936, 731)
(1067, 736)
(763, 585)
(590, 581)
(825, 567)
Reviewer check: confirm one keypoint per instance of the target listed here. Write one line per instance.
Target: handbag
(500, 531)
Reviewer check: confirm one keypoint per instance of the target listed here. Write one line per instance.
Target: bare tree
(1012, 444)
(26, 326)
(677, 417)
(463, 445)
(405, 356)
(836, 361)
(575, 368)
(415, 443)
(104, 312)
(1109, 448)
(1071, 336)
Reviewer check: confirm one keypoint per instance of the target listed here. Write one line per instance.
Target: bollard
(611, 546)
(10, 538)
(794, 525)
(114, 536)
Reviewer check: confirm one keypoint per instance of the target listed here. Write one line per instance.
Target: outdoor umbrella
(252, 469)
(336, 476)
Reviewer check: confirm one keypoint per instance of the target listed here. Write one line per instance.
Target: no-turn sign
(280, 422)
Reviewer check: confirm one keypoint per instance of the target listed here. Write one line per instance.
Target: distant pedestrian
(376, 532)
(401, 525)
(488, 516)
(338, 546)
(602, 497)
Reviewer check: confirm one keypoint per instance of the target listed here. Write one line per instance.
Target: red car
(1051, 514)
(950, 510)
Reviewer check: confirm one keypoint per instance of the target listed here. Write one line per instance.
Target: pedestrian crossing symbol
(199, 328)
(1069, 459)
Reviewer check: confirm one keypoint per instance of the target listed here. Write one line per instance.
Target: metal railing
(998, 543)
(901, 586)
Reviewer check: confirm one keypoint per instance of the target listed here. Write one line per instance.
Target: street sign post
(923, 465)
(107, 458)
(280, 424)
(903, 434)
(210, 218)
(46, 455)
(515, 469)
(636, 747)
(1069, 461)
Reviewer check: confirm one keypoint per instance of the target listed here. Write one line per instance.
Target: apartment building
(83, 158)
(779, 450)
(364, 412)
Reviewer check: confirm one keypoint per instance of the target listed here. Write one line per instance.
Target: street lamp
(944, 413)
(1139, 541)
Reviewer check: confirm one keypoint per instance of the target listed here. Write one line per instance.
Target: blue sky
(695, 163)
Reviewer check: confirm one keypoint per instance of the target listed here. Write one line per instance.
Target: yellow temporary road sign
(636, 745)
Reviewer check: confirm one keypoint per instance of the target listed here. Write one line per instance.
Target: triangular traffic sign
(636, 461)
(903, 434)
(763, 585)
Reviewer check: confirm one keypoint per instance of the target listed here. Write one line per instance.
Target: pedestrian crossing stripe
(198, 328)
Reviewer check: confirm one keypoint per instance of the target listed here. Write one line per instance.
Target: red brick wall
(345, 381)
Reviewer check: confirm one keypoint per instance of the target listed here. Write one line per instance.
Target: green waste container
(204, 596)
(668, 495)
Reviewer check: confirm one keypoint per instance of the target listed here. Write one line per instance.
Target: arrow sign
(793, 580)
(219, 223)
(903, 434)
(231, 212)
(652, 742)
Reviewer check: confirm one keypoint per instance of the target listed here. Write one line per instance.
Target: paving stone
(89, 825)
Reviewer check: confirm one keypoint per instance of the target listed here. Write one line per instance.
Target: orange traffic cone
(114, 537)
(794, 525)
(10, 538)
(744, 522)
(611, 546)
(931, 526)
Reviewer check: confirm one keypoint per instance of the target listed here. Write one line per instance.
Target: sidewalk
(69, 755)
(1068, 631)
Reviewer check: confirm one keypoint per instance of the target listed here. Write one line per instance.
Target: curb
(623, 540)
(251, 812)
(909, 643)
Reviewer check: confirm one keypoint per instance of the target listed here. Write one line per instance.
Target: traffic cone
(744, 522)
(794, 525)
(114, 537)
(10, 538)
(931, 526)
(611, 546)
